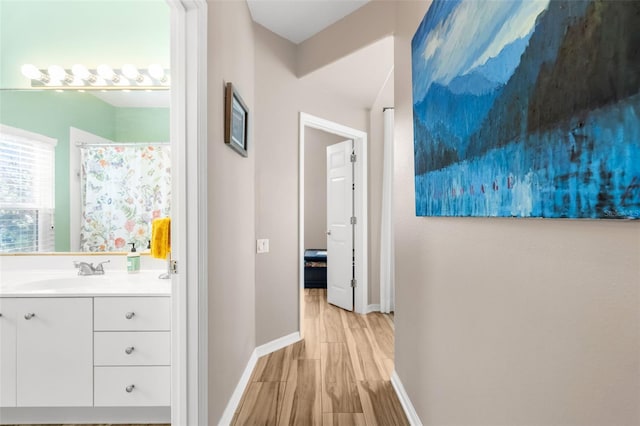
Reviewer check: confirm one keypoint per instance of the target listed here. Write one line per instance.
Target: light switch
(262, 246)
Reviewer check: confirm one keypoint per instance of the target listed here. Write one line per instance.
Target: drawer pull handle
(129, 350)
(129, 315)
(29, 315)
(129, 388)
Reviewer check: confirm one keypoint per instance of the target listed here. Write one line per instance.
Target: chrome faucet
(85, 268)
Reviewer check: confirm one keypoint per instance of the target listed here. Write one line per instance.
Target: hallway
(338, 375)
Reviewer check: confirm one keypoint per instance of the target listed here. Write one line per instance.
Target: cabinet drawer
(132, 348)
(132, 313)
(132, 386)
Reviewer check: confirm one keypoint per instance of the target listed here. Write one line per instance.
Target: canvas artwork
(527, 108)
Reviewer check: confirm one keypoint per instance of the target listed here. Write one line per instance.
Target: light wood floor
(338, 375)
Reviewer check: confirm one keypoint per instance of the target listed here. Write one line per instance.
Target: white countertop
(67, 283)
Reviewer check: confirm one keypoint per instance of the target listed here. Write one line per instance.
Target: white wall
(315, 186)
(231, 204)
(510, 321)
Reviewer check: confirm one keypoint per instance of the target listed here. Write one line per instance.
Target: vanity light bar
(79, 77)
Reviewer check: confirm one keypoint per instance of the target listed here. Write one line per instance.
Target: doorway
(308, 121)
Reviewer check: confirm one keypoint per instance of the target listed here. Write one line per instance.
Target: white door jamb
(189, 321)
(361, 245)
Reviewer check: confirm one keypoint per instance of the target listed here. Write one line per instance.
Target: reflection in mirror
(108, 178)
(123, 187)
(72, 69)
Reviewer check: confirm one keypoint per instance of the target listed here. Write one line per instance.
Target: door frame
(188, 115)
(361, 207)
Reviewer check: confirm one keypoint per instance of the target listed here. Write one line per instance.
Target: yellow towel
(161, 238)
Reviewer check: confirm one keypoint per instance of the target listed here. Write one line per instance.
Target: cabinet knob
(129, 388)
(129, 315)
(29, 315)
(129, 350)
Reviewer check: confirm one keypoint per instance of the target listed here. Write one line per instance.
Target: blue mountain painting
(527, 108)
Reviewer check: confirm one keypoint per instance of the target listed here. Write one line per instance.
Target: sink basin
(54, 284)
(68, 282)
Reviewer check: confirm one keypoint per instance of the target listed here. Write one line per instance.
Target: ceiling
(359, 77)
(136, 98)
(297, 20)
(356, 78)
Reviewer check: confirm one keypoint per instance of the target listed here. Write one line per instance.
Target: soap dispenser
(133, 260)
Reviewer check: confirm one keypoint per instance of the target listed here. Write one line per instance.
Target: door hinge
(173, 266)
(354, 220)
(353, 158)
(354, 282)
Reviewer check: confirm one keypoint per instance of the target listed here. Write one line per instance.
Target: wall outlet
(262, 246)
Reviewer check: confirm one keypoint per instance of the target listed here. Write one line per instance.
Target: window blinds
(27, 162)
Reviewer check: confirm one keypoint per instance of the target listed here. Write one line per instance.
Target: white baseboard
(277, 344)
(230, 410)
(262, 350)
(407, 406)
(373, 308)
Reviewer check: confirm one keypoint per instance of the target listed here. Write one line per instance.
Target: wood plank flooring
(339, 375)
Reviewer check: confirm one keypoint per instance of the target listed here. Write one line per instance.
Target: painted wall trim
(277, 344)
(232, 405)
(407, 406)
(375, 307)
(189, 369)
(260, 351)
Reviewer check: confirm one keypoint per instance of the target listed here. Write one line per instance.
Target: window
(26, 191)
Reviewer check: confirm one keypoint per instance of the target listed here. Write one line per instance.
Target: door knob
(29, 316)
(129, 350)
(329, 232)
(129, 315)
(129, 388)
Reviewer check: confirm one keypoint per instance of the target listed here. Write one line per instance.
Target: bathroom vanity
(80, 348)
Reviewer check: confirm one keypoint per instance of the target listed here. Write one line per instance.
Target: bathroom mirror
(111, 167)
(116, 129)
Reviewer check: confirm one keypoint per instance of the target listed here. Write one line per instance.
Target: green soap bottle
(133, 260)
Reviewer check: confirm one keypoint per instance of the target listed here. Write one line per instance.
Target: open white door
(339, 227)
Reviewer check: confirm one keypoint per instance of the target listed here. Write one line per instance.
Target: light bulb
(81, 71)
(56, 72)
(77, 81)
(144, 80)
(156, 71)
(106, 72)
(31, 72)
(130, 71)
(99, 81)
(122, 82)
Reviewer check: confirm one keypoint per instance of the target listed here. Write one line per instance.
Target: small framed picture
(236, 120)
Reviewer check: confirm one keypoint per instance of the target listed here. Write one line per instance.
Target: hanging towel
(161, 238)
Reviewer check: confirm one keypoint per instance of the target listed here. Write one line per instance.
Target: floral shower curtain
(124, 187)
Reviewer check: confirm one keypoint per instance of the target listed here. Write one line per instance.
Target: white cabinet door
(55, 352)
(132, 348)
(7, 352)
(132, 313)
(133, 386)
